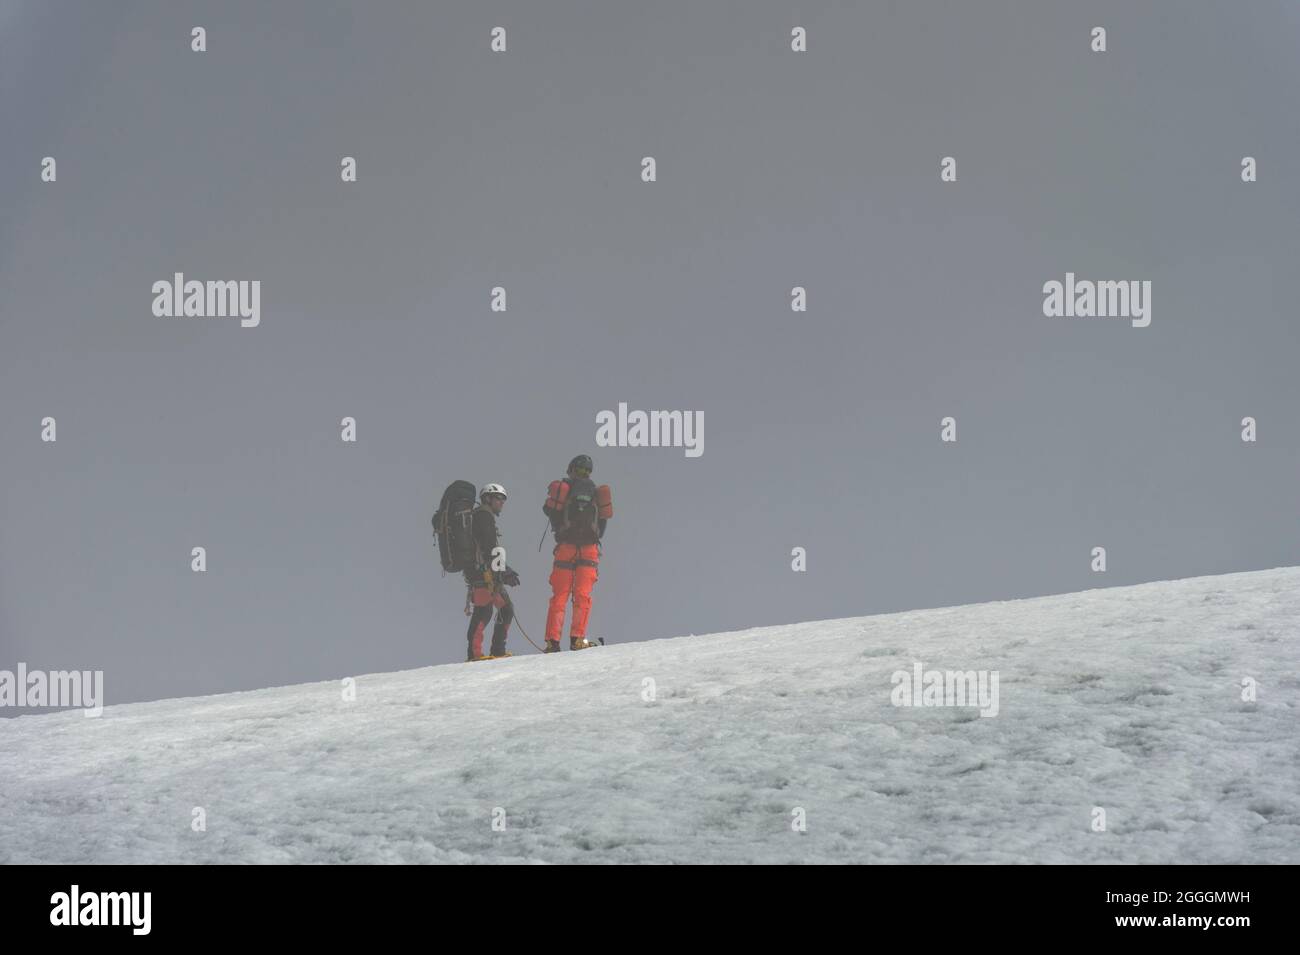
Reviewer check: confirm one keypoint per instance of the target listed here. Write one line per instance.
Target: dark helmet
(581, 461)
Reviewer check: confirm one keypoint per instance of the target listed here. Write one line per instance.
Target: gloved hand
(509, 577)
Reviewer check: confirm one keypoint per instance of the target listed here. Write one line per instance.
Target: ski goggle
(581, 471)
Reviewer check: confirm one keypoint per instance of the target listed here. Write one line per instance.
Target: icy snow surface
(1127, 699)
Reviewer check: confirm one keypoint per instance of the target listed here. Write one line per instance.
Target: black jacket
(487, 537)
(485, 533)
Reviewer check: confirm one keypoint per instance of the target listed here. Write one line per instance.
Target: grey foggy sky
(775, 169)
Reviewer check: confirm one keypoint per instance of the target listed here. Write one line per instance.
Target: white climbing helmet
(492, 489)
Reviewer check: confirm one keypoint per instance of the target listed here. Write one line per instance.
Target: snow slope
(1128, 699)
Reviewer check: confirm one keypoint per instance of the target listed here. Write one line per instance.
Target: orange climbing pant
(573, 573)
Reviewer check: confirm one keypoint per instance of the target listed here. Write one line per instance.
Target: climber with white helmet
(487, 586)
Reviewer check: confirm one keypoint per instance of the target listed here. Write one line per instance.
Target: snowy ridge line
(743, 632)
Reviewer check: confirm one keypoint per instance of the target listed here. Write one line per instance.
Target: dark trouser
(483, 601)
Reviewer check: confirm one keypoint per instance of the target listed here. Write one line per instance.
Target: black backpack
(453, 526)
(580, 514)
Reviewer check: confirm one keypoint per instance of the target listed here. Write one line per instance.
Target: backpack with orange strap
(576, 507)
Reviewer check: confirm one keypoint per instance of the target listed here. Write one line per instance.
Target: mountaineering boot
(578, 643)
(552, 646)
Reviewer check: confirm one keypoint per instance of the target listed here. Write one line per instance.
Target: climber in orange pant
(578, 511)
(573, 574)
